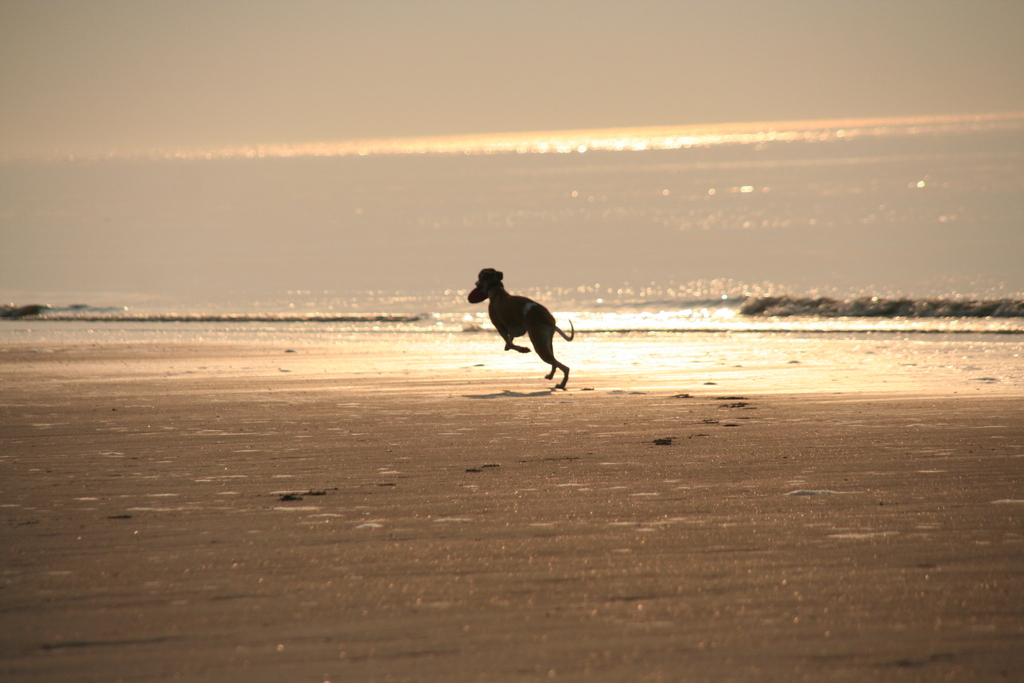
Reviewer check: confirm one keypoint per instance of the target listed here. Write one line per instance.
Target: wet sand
(248, 513)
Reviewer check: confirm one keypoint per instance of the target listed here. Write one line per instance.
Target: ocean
(894, 226)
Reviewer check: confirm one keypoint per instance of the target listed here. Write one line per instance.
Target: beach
(426, 508)
(257, 423)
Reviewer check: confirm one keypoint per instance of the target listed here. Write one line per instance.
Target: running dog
(515, 316)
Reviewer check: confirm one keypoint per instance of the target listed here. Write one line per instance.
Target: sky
(95, 76)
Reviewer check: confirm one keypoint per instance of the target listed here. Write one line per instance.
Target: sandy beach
(262, 512)
(256, 420)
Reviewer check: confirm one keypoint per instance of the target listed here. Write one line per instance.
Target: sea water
(832, 228)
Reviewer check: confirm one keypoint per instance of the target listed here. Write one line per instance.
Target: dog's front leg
(509, 346)
(509, 341)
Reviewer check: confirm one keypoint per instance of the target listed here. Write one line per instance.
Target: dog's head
(488, 277)
(487, 280)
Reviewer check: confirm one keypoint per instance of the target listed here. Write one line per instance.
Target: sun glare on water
(611, 139)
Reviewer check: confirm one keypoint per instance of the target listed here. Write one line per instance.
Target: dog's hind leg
(541, 340)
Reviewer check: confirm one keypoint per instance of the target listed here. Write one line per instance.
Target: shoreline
(423, 512)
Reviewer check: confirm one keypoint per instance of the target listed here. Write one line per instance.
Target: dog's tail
(570, 336)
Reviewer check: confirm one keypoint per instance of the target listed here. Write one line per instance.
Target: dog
(515, 316)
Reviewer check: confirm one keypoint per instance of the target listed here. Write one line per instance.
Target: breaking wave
(82, 313)
(874, 307)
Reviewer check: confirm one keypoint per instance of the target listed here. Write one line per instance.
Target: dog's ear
(490, 274)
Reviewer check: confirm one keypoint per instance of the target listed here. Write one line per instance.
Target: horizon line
(629, 138)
